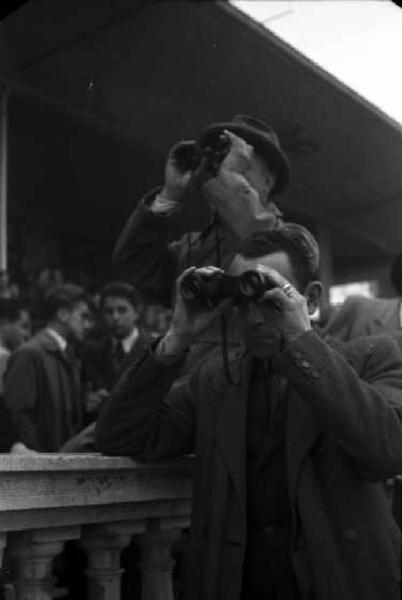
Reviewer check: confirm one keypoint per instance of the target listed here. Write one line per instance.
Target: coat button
(305, 364)
(351, 535)
(315, 374)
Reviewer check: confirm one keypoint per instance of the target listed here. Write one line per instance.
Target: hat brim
(274, 156)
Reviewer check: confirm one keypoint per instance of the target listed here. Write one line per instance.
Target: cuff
(169, 359)
(301, 355)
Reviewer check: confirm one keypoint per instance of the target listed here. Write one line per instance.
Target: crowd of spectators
(62, 348)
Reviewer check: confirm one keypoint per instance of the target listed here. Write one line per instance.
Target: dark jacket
(99, 368)
(42, 390)
(343, 438)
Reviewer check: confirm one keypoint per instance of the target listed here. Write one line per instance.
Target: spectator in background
(157, 318)
(124, 340)
(15, 329)
(360, 316)
(42, 386)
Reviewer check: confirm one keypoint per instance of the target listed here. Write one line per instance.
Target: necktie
(119, 354)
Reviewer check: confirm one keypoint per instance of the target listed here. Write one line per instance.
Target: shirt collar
(59, 339)
(129, 341)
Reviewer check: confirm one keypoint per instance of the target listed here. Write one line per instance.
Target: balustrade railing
(46, 500)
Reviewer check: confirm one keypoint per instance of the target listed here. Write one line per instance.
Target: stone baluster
(104, 545)
(32, 554)
(156, 559)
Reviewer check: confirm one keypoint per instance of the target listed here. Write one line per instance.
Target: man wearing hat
(255, 169)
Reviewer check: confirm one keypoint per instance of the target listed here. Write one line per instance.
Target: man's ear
(312, 294)
(62, 315)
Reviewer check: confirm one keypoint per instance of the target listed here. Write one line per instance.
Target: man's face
(24, 324)
(260, 177)
(78, 321)
(261, 323)
(120, 316)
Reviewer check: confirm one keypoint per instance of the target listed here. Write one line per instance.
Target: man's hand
(188, 321)
(20, 448)
(95, 399)
(291, 303)
(241, 207)
(178, 171)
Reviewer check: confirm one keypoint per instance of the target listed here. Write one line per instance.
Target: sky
(357, 41)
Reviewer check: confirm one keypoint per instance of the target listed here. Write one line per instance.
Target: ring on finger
(287, 289)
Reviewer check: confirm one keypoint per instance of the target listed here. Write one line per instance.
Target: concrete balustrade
(46, 500)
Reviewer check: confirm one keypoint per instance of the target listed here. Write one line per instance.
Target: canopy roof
(102, 90)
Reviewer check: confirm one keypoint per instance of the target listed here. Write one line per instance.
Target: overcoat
(343, 438)
(42, 389)
(359, 316)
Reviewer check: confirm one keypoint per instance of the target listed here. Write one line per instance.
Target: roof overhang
(101, 90)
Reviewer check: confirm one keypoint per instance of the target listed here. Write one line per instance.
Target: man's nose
(254, 314)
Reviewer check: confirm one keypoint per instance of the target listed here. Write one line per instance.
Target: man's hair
(396, 274)
(65, 295)
(298, 243)
(119, 289)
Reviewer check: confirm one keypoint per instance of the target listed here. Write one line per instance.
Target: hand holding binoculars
(208, 288)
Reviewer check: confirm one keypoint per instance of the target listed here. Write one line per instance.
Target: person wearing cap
(255, 169)
(290, 458)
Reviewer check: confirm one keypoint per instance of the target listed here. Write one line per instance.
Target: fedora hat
(263, 139)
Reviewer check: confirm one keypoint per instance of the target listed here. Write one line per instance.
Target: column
(156, 562)
(3, 184)
(32, 554)
(104, 545)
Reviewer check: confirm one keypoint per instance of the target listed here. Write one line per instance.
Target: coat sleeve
(149, 414)
(144, 256)
(20, 393)
(358, 409)
(8, 431)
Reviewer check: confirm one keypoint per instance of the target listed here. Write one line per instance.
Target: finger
(183, 274)
(277, 279)
(239, 144)
(278, 297)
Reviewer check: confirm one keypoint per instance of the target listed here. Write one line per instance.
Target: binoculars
(189, 155)
(208, 289)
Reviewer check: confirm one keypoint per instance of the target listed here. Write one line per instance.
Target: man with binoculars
(235, 167)
(290, 456)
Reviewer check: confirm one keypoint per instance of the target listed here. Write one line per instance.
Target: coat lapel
(231, 428)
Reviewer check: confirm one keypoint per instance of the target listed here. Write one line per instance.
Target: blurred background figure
(42, 386)
(360, 316)
(15, 329)
(157, 318)
(123, 341)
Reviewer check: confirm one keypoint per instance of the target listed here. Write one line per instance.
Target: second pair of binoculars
(189, 155)
(209, 287)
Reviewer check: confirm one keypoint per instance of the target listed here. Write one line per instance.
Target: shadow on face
(261, 324)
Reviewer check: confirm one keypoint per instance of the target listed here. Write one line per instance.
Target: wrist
(173, 344)
(171, 194)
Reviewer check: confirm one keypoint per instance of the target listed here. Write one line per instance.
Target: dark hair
(119, 289)
(65, 295)
(11, 308)
(396, 274)
(296, 241)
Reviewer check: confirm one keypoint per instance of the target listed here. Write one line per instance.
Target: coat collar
(47, 341)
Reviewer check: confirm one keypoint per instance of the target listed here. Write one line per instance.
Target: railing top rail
(82, 462)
